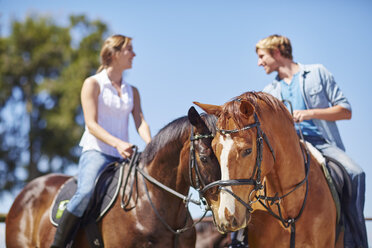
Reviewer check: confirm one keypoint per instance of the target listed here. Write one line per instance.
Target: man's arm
(334, 113)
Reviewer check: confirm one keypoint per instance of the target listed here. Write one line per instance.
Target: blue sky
(204, 51)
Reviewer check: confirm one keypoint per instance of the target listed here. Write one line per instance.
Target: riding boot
(64, 230)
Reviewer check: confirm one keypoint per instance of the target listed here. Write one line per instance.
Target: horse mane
(254, 97)
(174, 133)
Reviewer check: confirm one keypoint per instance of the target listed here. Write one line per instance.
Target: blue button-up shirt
(319, 90)
(292, 93)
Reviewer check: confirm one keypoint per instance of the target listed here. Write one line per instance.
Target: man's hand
(334, 113)
(302, 115)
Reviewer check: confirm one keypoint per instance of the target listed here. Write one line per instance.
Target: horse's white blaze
(139, 206)
(139, 225)
(226, 200)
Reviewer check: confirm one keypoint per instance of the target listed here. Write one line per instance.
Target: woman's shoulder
(99, 78)
(91, 84)
(92, 80)
(134, 91)
(134, 88)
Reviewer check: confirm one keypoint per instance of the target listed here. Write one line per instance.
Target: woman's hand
(124, 148)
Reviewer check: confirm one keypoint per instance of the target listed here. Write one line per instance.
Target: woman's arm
(89, 99)
(142, 127)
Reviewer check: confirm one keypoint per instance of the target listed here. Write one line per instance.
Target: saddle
(106, 190)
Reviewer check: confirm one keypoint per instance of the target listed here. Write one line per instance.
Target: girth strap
(293, 234)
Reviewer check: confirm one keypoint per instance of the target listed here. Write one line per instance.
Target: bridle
(256, 180)
(197, 182)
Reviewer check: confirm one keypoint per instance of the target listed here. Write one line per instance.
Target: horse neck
(166, 169)
(288, 169)
(169, 166)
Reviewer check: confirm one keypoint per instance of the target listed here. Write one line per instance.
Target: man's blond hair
(282, 43)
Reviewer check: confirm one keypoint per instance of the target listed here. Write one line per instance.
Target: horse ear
(210, 109)
(195, 119)
(246, 108)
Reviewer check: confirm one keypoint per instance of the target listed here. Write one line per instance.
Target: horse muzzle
(230, 222)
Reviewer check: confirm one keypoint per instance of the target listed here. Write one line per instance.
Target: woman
(107, 101)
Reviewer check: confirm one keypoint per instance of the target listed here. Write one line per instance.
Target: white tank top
(113, 115)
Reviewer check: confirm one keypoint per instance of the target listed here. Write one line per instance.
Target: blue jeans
(355, 226)
(91, 164)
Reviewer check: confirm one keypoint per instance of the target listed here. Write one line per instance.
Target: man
(317, 103)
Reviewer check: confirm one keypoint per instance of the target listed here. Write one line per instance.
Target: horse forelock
(231, 109)
(272, 102)
(210, 121)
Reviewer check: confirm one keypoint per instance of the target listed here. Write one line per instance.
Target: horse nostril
(223, 228)
(234, 222)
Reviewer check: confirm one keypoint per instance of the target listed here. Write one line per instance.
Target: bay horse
(269, 182)
(156, 217)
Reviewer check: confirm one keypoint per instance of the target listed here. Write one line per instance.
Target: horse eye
(246, 152)
(203, 159)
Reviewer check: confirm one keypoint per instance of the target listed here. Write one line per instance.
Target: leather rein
(134, 169)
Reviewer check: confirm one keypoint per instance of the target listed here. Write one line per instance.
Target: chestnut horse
(269, 182)
(155, 217)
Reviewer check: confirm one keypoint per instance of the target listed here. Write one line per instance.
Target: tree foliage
(42, 68)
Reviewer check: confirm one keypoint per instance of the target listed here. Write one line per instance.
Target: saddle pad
(334, 170)
(106, 190)
(337, 178)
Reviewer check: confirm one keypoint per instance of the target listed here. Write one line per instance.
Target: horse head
(204, 166)
(245, 157)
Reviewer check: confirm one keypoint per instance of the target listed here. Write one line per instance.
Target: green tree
(42, 68)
